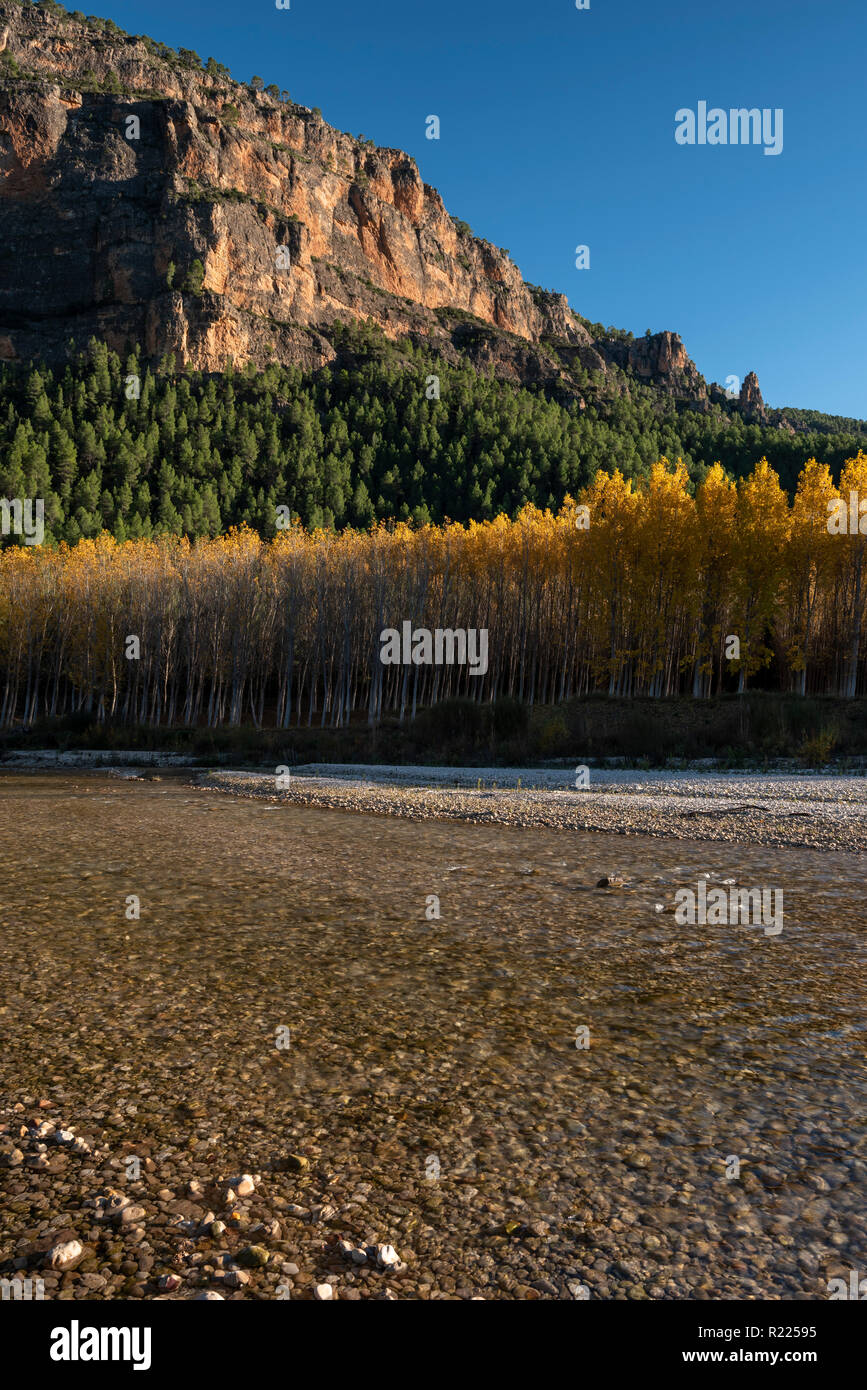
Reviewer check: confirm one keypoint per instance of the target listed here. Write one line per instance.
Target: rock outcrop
(750, 399)
(660, 359)
(146, 199)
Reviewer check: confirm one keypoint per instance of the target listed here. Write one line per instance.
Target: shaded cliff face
(194, 216)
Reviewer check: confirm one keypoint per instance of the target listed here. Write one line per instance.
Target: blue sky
(557, 129)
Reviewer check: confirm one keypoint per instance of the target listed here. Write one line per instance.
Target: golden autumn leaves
(639, 601)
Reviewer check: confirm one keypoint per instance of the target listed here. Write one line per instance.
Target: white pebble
(386, 1255)
(63, 1255)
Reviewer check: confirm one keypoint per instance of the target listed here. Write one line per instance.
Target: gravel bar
(807, 810)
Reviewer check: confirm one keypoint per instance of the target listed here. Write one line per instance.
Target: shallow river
(708, 1142)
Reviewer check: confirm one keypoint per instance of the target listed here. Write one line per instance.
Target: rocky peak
(750, 398)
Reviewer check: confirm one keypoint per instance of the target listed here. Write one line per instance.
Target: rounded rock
(65, 1255)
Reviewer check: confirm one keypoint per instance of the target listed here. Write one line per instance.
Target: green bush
(195, 278)
(817, 749)
(9, 67)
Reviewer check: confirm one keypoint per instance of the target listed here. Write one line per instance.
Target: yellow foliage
(642, 600)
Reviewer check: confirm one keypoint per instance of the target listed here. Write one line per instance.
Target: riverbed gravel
(813, 811)
(416, 1059)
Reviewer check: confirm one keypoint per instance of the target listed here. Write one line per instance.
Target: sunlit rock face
(192, 215)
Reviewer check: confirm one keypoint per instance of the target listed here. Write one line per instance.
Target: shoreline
(786, 808)
(556, 772)
(807, 812)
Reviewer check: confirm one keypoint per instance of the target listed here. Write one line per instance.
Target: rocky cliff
(750, 399)
(147, 199)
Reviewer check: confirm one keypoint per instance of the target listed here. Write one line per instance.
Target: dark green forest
(348, 445)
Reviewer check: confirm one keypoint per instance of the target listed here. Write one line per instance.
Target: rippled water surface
(454, 1040)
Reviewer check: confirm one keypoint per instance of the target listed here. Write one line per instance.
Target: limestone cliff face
(660, 358)
(188, 213)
